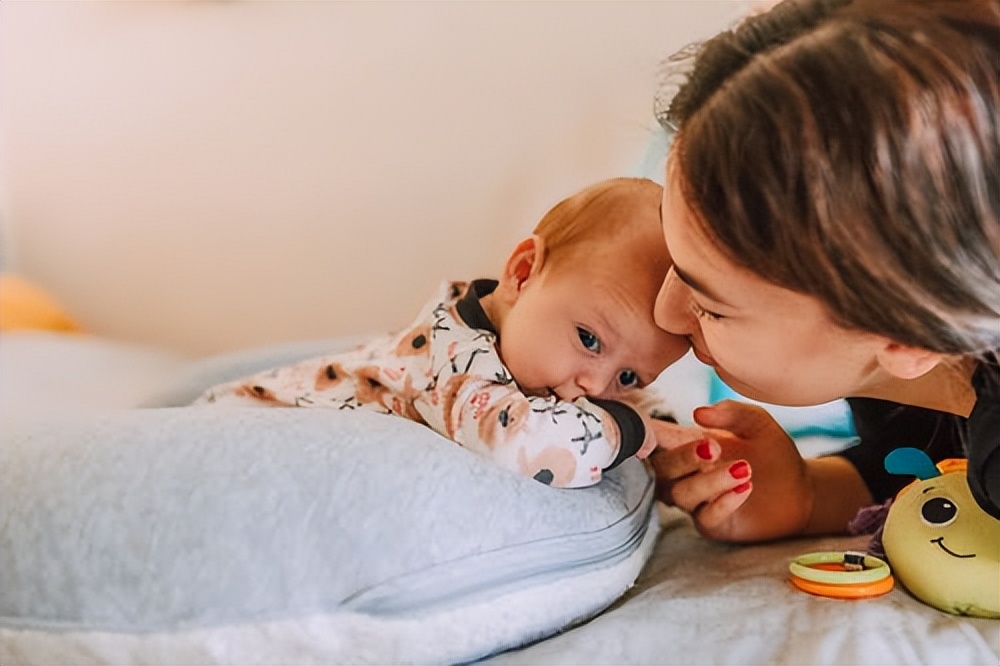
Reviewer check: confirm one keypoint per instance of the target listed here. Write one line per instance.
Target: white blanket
(699, 602)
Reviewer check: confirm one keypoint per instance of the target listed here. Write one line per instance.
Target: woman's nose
(672, 311)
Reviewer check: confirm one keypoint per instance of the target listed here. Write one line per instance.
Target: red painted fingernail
(739, 470)
(704, 450)
(742, 488)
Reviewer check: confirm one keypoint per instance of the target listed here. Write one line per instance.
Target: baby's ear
(525, 261)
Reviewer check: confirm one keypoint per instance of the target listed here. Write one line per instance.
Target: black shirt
(883, 426)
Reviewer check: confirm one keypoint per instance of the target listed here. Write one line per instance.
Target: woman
(832, 210)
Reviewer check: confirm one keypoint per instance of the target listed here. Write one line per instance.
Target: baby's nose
(568, 392)
(596, 382)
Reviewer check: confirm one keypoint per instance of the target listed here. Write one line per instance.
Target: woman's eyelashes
(702, 313)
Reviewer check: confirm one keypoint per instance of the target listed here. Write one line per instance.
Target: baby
(542, 370)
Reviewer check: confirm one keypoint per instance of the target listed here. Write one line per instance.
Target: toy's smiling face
(944, 548)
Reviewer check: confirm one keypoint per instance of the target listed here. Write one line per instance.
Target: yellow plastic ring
(803, 567)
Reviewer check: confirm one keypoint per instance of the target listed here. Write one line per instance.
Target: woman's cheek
(735, 357)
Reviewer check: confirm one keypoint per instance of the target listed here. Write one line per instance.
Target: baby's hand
(661, 434)
(660, 426)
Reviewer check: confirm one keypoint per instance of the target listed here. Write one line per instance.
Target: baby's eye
(589, 340)
(628, 378)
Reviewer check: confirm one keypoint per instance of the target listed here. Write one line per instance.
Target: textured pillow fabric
(201, 535)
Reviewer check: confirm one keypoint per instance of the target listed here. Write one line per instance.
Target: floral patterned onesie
(444, 371)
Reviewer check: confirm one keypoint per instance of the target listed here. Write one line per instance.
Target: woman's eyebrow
(697, 286)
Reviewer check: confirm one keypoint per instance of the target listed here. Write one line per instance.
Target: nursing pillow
(193, 535)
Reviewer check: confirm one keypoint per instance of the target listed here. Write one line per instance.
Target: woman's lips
(702, 356)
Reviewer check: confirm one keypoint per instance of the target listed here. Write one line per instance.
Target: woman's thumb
(739, 418)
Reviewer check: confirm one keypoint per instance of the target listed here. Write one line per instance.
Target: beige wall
(216, 175)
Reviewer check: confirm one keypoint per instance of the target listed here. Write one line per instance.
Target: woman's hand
(744, 481)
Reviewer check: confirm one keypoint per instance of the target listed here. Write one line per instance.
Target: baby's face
(588, 330)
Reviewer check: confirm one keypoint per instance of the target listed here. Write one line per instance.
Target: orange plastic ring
(845, 591)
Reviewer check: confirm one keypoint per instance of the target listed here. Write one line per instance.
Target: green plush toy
(941, 545)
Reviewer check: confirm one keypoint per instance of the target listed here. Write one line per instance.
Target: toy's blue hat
(911, 461)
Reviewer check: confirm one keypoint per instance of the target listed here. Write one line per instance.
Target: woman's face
(766, 342)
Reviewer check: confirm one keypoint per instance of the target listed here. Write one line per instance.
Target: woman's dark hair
(849, 150)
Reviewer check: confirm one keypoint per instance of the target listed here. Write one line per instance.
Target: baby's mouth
(940, 542)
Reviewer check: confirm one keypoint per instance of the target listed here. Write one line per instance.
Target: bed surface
(694, 602)
(699, 602)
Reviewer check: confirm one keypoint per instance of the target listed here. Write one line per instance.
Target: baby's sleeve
(560, 443)
(475, 402)
(631, 429)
